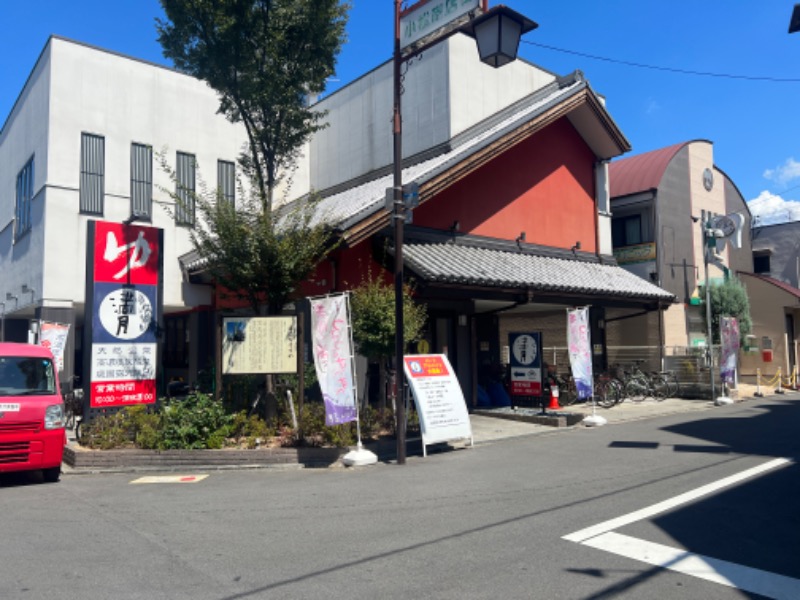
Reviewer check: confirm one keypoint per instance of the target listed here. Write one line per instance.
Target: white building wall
(477, 91)
(445, 91)
(125, 101)
(24, 135)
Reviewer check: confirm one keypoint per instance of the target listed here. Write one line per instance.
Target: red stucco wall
(544, 186)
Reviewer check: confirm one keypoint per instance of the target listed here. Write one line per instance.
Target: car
(32, 433)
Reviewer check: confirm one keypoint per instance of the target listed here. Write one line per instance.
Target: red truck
(32, 435)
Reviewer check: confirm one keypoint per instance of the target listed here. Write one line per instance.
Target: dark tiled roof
(470, 265)
(640, 173)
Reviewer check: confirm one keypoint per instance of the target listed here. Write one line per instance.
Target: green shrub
(193, 422)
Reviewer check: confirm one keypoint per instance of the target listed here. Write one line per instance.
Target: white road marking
(170, 479)
(589, 532)
(723, 572)
(745, 578)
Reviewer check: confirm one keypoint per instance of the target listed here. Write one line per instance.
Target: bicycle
(608, 390)
(73, 410)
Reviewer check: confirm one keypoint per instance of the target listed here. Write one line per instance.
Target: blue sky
(747, 103)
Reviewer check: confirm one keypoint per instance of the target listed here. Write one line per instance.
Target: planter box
(79, 458)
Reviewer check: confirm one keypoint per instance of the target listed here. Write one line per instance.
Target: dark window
(176, 346)
(626, 231)
(761, 263)
(184, 189)
(226, 180)
(141, 180)
(92, 173)
(22, 216)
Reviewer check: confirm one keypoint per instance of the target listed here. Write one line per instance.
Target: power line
(668, 69)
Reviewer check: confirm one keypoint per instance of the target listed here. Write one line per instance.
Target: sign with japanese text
(53, 336)
(525, 362)
(579, 344)
(123, 303)
(259, 345)
(440, 402)
(333, 357)
(427, 16)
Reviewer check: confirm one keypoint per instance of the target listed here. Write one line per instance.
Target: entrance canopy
(470, 262)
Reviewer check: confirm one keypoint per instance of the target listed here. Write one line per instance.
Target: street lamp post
(497, 33)
(709, 349)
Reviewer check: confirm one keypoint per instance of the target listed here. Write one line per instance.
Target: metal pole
(399, 219)
(709, 345)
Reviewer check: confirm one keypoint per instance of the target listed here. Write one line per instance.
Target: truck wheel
(52, 474)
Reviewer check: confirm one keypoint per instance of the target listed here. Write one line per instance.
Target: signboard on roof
(429, 16)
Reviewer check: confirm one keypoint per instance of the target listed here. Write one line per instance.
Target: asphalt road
(696, 505)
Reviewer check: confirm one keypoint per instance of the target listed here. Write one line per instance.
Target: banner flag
(333, 357)
(580, 354)
(53, 336)
(729, 335)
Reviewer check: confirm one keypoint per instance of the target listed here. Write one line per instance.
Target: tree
(373, 308)
(729, 299)
(264, 58)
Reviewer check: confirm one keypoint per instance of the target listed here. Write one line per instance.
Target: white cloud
(770, 209)
(784, 173)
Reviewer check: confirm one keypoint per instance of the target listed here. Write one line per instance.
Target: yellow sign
(634, 254)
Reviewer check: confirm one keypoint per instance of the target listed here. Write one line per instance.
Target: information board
(443, 414)
(259, 345)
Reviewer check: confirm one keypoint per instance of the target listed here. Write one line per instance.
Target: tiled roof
(640, 173)
(470, 265)
(776, 282)
(348, 207)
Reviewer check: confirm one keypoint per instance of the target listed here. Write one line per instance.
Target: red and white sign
(440, 402)
(123, 304)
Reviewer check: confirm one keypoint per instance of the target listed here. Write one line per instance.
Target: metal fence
(689, 364)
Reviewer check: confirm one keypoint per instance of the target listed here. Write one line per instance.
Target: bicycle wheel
(567, 394)
(660, 387)
(606, 393)
(673, 384)
(637, 389)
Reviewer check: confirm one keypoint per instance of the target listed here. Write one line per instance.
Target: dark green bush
(198, 421)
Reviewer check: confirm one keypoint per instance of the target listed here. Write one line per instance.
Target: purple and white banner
(729, 336)
(580, 350)
(333, 357)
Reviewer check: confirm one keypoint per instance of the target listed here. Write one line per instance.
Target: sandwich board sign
(443, 414)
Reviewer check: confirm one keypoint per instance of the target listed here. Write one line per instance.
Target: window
(93, 149)
(141, 180)
(226, 180)
(184, 189)
(761, 262)
(176, 346)
(626, 231)
(22, 216)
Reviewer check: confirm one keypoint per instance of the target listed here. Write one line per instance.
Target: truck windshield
(26, 376)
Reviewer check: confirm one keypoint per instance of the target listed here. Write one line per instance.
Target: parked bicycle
(73, 408)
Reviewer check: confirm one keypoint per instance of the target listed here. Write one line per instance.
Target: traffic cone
(554, 405)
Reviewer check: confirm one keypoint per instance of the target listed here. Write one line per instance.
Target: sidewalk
(485, 429)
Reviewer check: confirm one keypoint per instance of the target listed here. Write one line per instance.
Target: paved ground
(487, 429)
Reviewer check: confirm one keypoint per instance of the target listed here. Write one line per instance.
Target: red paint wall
(543, 186)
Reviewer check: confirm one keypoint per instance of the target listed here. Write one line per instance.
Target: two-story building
(514, 224)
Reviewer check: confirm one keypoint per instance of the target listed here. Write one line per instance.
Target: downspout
(657, 238)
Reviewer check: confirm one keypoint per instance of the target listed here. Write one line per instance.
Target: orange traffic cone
(554, 405)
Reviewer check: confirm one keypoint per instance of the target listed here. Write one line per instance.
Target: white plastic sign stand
(443, 414)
